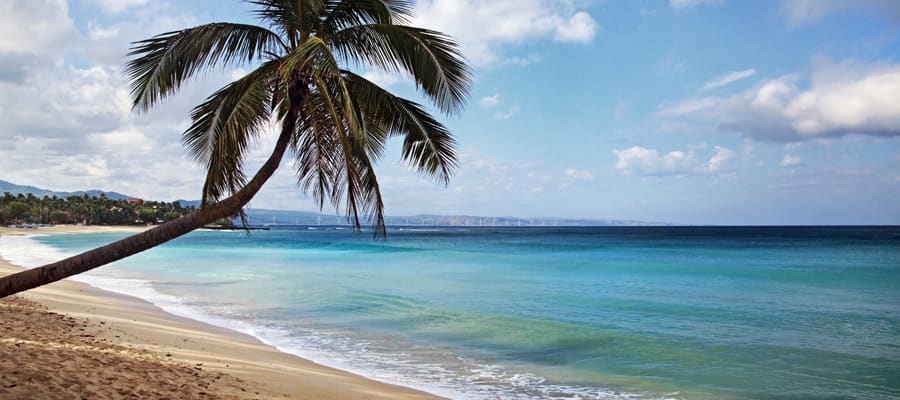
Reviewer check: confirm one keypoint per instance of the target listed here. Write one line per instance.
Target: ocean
(544, 313)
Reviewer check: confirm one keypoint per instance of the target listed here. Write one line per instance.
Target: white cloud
(60, 102)
(491, 186)
(691, 106)
(482, 182)
(720, 156)
(108, 43)
(382, 78)
(728, 79)
(489, 101)
(801, 12)
(579, 28)
(798, 12)
(644, 161)
(68, 125)
(482, 27)
(683, 4)
(638, 160)
(97, 32)
(521, 61)
(513, 110)
(789, 161)
(35, 27)
(116, 6)
(579, 174)
(840, 99)
(70, 128)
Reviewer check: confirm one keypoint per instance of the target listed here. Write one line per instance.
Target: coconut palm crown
(332, 121)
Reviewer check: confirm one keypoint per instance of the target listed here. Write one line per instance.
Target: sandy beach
(70, 340)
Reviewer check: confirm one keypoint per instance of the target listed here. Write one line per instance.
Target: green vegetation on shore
(333, 122)
(99, 210)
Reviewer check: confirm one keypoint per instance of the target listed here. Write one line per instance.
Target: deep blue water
(694, 313)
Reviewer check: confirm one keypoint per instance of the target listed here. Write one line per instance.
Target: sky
(682, 111)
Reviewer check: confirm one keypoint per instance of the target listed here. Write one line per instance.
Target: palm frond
(368, 190)
(432, 59)
(317, 151)
(312, 62)
(225, 125)
(337, 121)
(401, 10)
(310, 59)
(342, 14)
(293, 22)
(160, 65)
(347, 168)
(428, 145)
(364, 145)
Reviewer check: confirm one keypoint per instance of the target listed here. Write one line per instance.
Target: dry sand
(68, 340)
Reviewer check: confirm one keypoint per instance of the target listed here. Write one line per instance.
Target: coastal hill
(258, 216)
(24, 189)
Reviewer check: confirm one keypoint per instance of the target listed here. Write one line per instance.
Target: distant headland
(259, 217)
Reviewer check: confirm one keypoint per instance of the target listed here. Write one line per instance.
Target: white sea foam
(26, 252)
(452, 376)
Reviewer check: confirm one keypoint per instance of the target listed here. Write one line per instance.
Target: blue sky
(691, 111)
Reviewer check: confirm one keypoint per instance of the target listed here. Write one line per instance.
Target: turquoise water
(608, 313)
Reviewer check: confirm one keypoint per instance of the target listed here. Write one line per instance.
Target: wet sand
(69, 340)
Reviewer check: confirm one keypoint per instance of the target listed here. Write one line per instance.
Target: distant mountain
(475, 220)
(261, 216)
(97, 193)
(38, 192)
(189, 203)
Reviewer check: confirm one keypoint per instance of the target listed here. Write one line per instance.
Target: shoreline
(144, 326)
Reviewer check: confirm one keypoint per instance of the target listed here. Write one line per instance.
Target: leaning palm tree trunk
(334, 122)
(32, 278)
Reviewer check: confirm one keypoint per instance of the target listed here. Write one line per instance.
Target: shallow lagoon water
(607, 313)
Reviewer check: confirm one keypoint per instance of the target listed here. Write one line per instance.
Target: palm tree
(333, 122)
